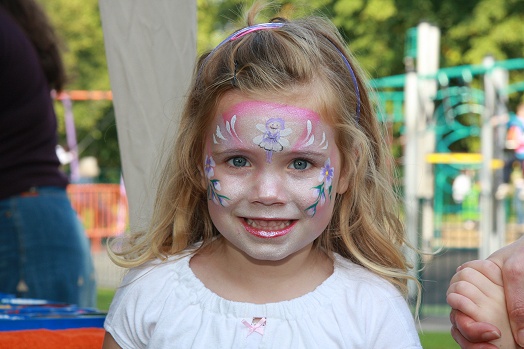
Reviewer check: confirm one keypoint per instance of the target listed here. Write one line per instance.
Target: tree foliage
(375, 31)
(78, 25)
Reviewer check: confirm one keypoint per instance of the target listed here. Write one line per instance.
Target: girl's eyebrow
(308, 152)
(287, 152)
(234, 150)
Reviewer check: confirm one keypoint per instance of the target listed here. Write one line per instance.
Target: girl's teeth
(270, 225)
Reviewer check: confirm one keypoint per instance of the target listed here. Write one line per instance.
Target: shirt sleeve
(377, 314)
(391, 322)
(135, 309)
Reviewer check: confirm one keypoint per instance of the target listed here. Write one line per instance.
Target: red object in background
(79, 338)
(102, 209)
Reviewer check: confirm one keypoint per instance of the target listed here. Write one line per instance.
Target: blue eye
(238, 161)
(300, 164)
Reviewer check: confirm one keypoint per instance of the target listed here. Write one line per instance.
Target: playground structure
(451, 120)
(102, 209)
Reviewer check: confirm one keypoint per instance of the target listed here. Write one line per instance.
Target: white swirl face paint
(272, 171)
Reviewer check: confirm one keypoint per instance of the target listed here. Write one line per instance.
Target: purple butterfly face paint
(271, 169)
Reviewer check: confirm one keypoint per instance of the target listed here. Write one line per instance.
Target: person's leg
(10, 255)
(503, 189)
(57, 264)
(509, 158)
(519, 208)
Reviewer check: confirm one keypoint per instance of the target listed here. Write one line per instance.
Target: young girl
(477, 291)
(275, 224)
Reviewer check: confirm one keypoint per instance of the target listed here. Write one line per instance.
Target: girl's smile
(268, 228)
(272, 171)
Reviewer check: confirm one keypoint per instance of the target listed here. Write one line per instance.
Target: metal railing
(102, 209)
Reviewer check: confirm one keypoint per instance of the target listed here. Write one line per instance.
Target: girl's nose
(269, 188)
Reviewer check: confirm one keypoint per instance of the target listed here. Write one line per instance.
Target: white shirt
(164, 305)
(461, 187)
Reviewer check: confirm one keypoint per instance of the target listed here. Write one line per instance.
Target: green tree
(375, 31)
(78, 23)
(79, 27)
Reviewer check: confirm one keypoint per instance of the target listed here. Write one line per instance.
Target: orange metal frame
(102, 209)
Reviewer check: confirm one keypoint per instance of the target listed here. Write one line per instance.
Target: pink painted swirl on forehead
(267, 109)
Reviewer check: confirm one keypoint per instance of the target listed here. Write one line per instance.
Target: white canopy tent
(151, 50)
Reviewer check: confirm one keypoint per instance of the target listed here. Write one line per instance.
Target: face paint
(271, 171)
(325, 178)
(213, 186)
(273, 137)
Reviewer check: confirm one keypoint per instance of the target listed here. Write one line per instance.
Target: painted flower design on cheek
(326, 174)
(325, 177)
(213, 186)
(273, 138)
(209, 167)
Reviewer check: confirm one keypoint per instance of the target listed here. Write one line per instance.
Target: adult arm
(510, 260)
(470, 334)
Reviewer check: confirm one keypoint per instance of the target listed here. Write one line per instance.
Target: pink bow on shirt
(258, 327)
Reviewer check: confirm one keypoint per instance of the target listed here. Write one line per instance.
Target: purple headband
(264, 26)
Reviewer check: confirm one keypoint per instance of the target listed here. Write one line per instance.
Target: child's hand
(476, 290)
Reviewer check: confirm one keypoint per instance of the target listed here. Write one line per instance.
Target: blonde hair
(365, 227)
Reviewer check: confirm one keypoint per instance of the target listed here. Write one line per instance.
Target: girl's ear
(203, 180)
(201, 167)
(343, 181)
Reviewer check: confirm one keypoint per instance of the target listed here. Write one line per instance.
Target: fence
(102, 209)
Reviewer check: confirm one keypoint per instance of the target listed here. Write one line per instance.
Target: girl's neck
(235, 276)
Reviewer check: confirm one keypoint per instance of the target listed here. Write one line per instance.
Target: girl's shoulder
(355, 277)
(153, 281)
(375, 302)
(159, 273)
(154, 268)
(149, 293)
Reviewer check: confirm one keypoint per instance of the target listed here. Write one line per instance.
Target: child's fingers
(489, 288)
(474, 294)
(487, 268)
(468, 304)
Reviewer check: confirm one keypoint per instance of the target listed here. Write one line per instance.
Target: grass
(429, 340)
(104, 297)
(437, 340)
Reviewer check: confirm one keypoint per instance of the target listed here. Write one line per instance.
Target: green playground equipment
(450, 120)
(457, 117)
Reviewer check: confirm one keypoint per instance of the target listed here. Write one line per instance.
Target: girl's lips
(268, 228)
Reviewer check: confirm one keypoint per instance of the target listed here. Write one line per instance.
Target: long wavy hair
(36, 25)
(366, 227)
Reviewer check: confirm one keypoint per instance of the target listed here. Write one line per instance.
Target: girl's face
(272, 171)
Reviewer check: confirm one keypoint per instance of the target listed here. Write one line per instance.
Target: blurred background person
(44, 252)
(465, 191)
(514, 150)
(517, 180)
(88, 170)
